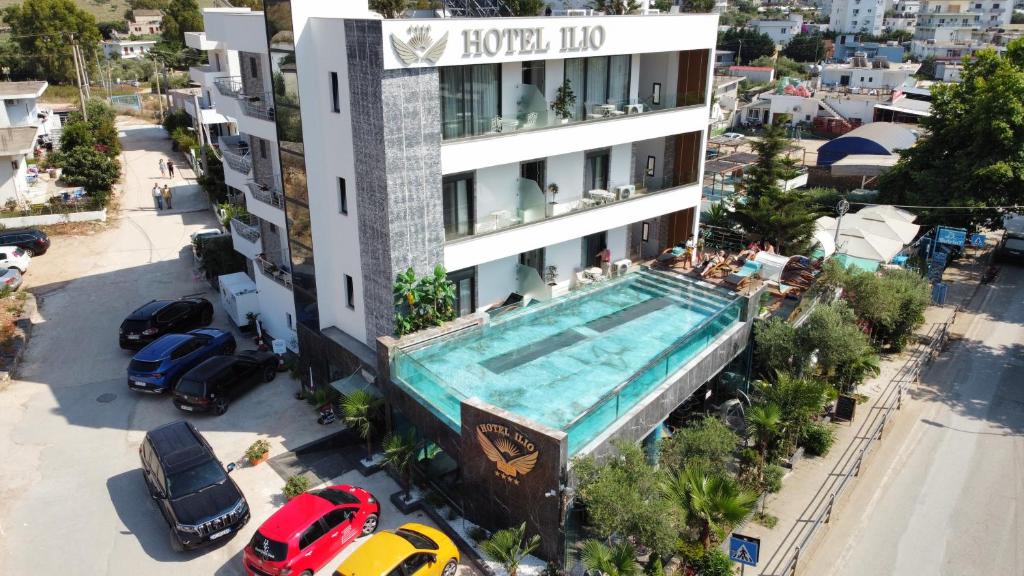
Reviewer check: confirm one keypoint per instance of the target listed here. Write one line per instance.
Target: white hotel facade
(369, 146)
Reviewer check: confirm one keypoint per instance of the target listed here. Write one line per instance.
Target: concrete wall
(50, 219)
(495, 280)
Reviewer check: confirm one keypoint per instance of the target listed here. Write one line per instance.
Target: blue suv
(158, 366)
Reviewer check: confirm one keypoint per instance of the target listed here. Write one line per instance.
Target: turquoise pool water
(575, 363)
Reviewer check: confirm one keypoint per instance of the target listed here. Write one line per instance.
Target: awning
(891, 228)
(772, 265)
(863, 164)
(349, 384)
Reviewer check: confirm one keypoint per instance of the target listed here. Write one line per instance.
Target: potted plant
(257, 452)
(553, 189)
(565, 101)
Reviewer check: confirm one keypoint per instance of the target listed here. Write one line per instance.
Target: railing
(476, 8)
(229, 86)
(259, 106)
(274, 272)
(236, 153)
(621, 399)
(246, 227)
(266, 194)
(851, 461)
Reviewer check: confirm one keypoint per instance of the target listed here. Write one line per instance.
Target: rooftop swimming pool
(575, 363)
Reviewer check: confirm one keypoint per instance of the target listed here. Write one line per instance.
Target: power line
(968, 208)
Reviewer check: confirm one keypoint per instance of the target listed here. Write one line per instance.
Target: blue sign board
(939, 294)
(744, 549)
(939, 259)
(954, 236)
(978, 240)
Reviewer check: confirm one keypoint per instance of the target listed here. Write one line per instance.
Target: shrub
(765, 519)
(714, 562)
(708, 443)
(817, 439)
(177, 119)
(257, 450)
(772, 476)
(295, 485)
(184, 139)
(91, 169)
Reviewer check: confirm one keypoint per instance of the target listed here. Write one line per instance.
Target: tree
(75, 135)
(783, 66)
(776, 348)
(44, 31)
(708, 443)
(1017, 18)
(754, 45)
(622, 500)
(398, 454)
(526, 7)
(974, 155)
(844, 354)
(717, 215)
(799, 400)
(698, 6)
(180, 16)
(616, 560)
(927, 69)
(711, 503)
(764, 425)
(360, 411)
(805, 48)
(93, 170)
(616, 6)
(508, 547)
(389, 8)
(102, 123)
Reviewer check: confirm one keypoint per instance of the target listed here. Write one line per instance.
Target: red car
(310, 530)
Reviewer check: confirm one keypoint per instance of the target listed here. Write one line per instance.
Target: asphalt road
(944, 495)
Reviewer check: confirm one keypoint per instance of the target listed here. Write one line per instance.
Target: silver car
(11, 278)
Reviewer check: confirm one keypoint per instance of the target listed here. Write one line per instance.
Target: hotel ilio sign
(419, 47)
(512, 453)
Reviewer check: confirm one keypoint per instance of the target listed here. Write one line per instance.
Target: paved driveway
(72, 500)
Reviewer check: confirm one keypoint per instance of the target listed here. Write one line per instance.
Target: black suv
(1010, 249)
(33, 241)
(158, 317)
(190, 486)
(218, 380)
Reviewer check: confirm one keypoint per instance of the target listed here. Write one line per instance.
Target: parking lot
(72, 498)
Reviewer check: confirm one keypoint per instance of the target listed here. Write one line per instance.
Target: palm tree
(764, 424)
(389, 9)
(616, 560)
(717, 215)
(508, 548)
(616, 6)
(359, 410)
(398, 453)
(799, 400)
(712, 503)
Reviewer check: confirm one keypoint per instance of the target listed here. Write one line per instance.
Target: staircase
(834, 112)
(476, 9)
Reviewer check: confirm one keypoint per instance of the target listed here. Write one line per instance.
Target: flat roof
(908, 106)
(14, 141)
(18, 90)
(863, 165)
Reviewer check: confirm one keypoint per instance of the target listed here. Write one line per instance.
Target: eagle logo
(506, 455)
(419, 48)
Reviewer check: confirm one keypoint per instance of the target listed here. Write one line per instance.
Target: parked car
(310, 530)
(14, 257)
(213, 384)
(158, 317)
(33, 242)
(11, 278)
(192, 489)
(1010, 249)
(412, 550)
(158, 367)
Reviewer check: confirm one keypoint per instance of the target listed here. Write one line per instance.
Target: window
(596, 170)
(335, 518)
(415, 562)
(254, 67)
(263, 148)
(470, 99)
(288, 319)
(459, 211)
(693, 77)
(342, 196)
(597, 81)
(312, 534)
(272, 227)
(335, 96)
(350, 293)
(465, 291)
(533, 74)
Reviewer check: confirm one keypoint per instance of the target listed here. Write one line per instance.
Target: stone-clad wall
(251, 84)
(262, 168)
(396, 127)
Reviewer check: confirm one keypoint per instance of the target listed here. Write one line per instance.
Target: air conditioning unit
(624, 192)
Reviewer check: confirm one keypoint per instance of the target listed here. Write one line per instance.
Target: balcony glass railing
(229, 86)
(537, 206)
(258, 105)
(276, 273)
(268, 194)
(235, 151)
(533, 112)
(246, 226)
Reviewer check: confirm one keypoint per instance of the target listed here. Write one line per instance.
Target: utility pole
(85, 72)
(200, 131)
(159, 99)
(103, 77)
(78, 77)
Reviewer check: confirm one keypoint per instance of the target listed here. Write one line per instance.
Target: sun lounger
(743, 275)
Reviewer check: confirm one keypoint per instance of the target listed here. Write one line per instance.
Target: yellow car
(412, 550)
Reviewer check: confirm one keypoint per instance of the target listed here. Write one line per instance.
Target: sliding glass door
(598, 81)
(457, 194)
(596, 169)
(470, 99)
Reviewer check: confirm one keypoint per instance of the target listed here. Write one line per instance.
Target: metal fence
(852, 459)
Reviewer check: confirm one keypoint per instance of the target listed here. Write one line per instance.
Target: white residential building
(23, 124)
(145, 23)
(126, 49)
(903, 16)
(993, 13)
(857, 16)
(947, 20)
(222, 63)
(780, 31)
(861, 73)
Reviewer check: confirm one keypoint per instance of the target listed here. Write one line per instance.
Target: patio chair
(740, 278)
(531, 120)
(496, 124)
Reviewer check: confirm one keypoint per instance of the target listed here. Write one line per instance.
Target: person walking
(170, 169)
(163, 169)
(158, 198)
(166, 193)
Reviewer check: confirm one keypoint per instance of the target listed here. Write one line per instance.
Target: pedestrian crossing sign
(744, 549)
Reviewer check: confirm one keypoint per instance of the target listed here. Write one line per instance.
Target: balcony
(199, 41)
(230, 86)
(236, 153)
(271, 270)
(205, 75)
(260, 106)
(268, 194)
(245, 236)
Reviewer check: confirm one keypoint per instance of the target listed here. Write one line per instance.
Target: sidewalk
(806, 489)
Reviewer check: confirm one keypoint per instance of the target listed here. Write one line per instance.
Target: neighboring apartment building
(23, 124)
(947, 20)
(902, 16)
(993, 13)
(222, 63)
(861, 73)
(780, 31)
(375, 146)
(847, 46)
(857, 16)
(126, 49)
(145, 23)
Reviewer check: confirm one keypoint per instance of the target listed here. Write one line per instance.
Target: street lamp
(842, 207)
